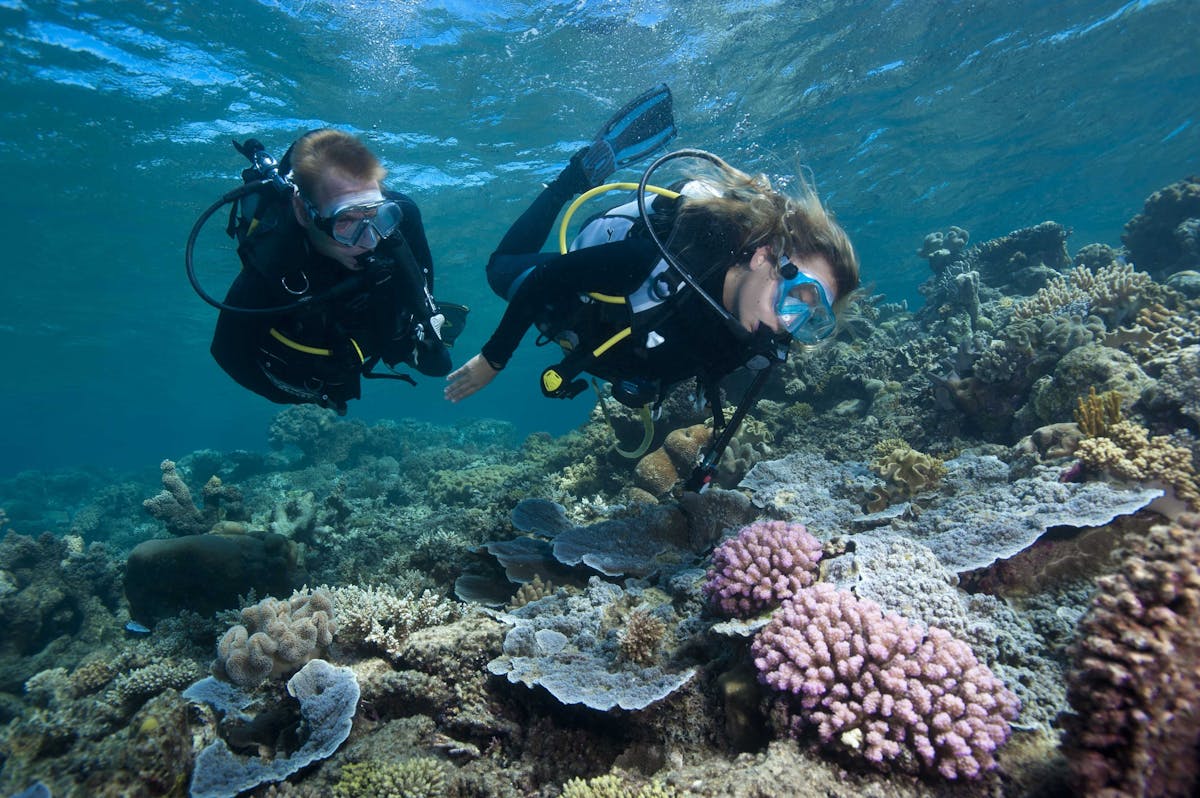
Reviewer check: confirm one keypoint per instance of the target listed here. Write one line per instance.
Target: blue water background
(912, 115)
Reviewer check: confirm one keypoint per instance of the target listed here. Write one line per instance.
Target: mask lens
(804, 309)
(365, 225)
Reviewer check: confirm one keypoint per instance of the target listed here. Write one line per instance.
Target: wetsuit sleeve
(616, 268)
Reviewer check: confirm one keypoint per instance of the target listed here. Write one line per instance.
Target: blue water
(911, 114)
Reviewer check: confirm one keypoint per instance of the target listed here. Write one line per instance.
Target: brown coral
(906, 471)
(1097, 412)
(1133, 691)
(1127, 451)
(642, 637)
(684, 445)
(656, 473)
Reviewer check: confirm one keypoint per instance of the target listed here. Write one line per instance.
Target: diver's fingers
(475, 374)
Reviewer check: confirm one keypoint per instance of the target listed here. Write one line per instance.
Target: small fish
(135, 628)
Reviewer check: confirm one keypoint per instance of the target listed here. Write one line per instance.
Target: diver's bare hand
(474, 375)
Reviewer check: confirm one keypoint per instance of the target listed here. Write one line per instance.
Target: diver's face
(752, 294)
(333, 191)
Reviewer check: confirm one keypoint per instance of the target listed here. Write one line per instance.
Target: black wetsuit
(318, 354)
(548, 286)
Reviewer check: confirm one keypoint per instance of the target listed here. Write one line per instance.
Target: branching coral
(764, 564)
(1096, 413)
(1127, 451)
(420, 777)
(1134, 695)
(1111, 291)
(642, 637)
(379, 618)
(873, 683)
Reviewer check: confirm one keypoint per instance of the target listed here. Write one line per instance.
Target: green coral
(420, 777)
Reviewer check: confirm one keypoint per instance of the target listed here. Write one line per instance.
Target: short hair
(319, 151)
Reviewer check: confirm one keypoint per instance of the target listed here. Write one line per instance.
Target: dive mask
(803, 306)
(358, 224)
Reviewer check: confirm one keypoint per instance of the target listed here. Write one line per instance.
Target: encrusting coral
(1134, 695)
(897, 694)
(766, 563)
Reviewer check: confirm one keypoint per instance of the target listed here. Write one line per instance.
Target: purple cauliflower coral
(760, 567)
(876, 684)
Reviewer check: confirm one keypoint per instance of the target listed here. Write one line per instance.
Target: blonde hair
(316, 153)
(745, 212)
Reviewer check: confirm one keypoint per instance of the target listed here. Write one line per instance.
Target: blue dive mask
(359, 224)
(803, 306)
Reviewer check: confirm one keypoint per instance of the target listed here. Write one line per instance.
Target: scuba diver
(715, 274)
(336, 276)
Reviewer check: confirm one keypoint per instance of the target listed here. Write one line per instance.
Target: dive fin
(644, 125)
(455, 320)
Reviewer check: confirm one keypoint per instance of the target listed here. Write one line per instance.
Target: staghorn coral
(1127, 451)
(873, 683)
(381, 619)
(419, 777)
(764, 564)
(1135, 699)
(276, 638)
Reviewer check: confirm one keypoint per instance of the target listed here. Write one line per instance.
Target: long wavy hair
(741, 212)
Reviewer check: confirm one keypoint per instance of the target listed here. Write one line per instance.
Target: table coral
(873, 683)
(1133, 688)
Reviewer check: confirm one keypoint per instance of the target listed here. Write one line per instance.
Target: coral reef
(763, 565)
(1135, 700)
(877, 685)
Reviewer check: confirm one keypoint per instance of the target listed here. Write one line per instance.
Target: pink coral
(763, 565)
(874, 683)
(1133, 686)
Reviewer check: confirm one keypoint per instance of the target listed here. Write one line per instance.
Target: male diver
(337, 275)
